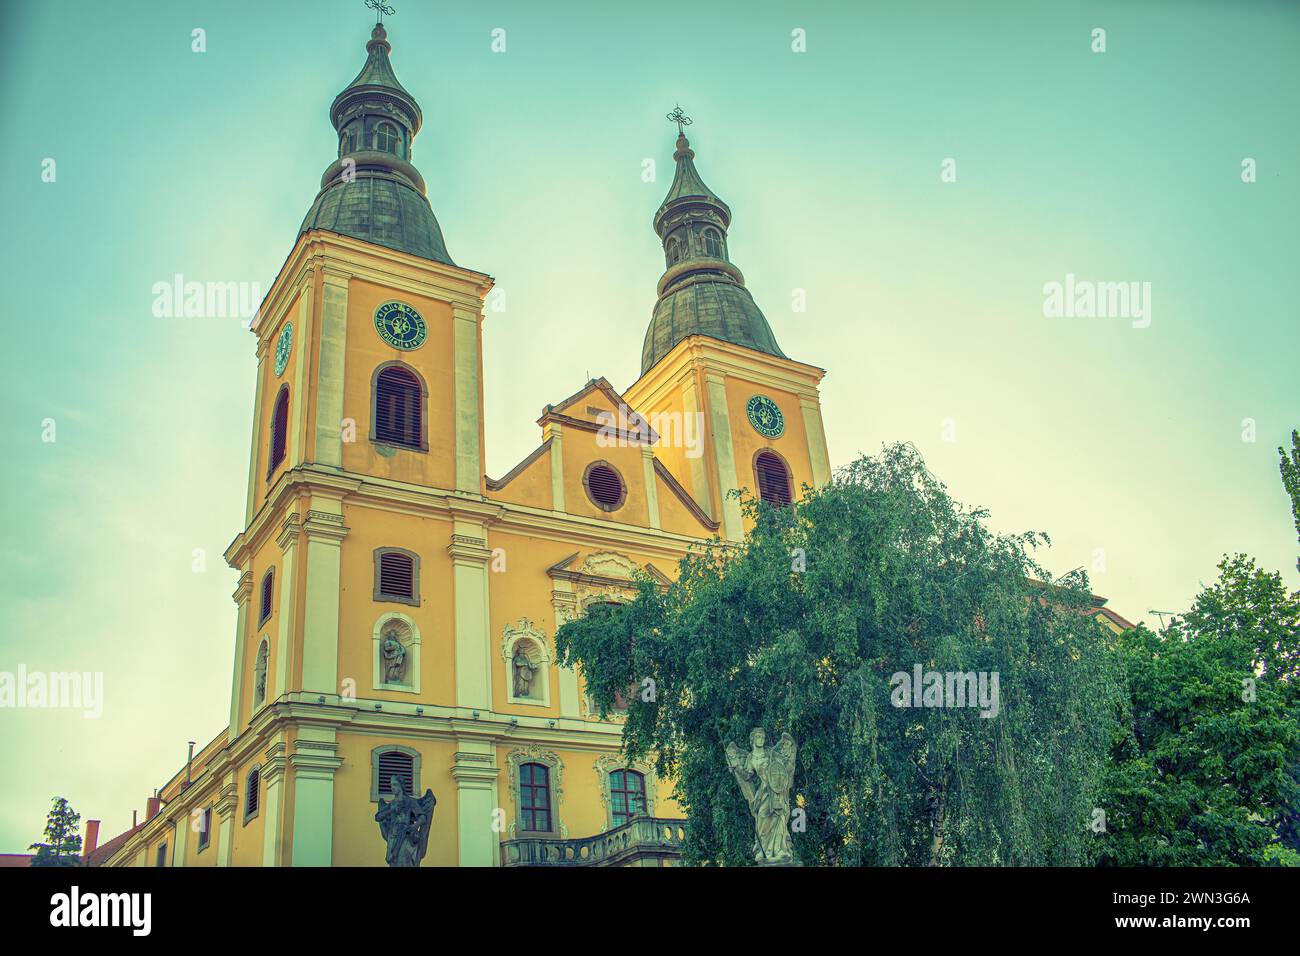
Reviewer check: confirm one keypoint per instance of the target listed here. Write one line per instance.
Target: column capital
(465, 549)
(324, 526)
(474, 768)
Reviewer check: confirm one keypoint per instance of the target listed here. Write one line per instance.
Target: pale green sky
(924, 298)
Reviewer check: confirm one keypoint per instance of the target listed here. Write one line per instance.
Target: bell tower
(365, 516)
(711, 366)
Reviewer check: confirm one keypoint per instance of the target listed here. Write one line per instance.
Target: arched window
(268, 597)
(713, 243)
(399, 762)
(279, 431)
(773, 479)
(674, 251)
(253, 795)
(626, 795)
(535, 798)
(397, 575)
(399, 407)
(387, 139)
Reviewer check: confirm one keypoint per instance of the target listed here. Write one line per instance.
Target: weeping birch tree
(820, 624)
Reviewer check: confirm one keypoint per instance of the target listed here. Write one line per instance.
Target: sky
(1144, 446)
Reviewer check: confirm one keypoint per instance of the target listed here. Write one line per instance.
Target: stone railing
(643, 841)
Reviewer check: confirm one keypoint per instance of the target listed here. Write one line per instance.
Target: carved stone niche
(527, 656)
(396, 668)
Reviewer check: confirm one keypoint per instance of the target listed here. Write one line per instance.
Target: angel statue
(765, 775)
(404, 825)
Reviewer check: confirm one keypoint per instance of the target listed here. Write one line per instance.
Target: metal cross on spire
(381, 9)
(680, 118)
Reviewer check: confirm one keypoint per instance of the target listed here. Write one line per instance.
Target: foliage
(62, 846)
(800, 628)
(1290, 466)
(1205, 773)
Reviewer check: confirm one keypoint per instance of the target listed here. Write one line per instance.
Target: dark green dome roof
(700, 292)
(371, 191)
(721, 310)
(386, 212)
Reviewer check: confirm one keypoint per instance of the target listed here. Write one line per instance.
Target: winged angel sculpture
(765, 775)
(404, 825)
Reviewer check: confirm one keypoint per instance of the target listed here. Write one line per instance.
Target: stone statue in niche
(393, 657)
(765, 775)
(404, 825)
(524, 672)
(259, 679)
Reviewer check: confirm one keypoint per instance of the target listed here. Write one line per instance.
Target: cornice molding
(364, 260)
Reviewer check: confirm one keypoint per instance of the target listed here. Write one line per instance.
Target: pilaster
(225, 806)
(287, 607)
(180, 839)
(320, 646)
(816, 431)
(298, 405)
(469, 556)
(555, 435)
(651, 486)
(315, 761)
(333, 355)
(272, 784)
(724, 454)
(254, 478)
(241, 596)
(475, 772)
(466, 370)
(699, 466)
(565, 603)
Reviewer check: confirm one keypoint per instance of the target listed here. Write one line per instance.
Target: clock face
(400, 326)
(765, 416)
(283, 348)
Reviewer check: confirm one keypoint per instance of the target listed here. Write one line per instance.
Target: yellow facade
(498, 560)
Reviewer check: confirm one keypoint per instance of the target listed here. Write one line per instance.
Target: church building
(397, 607)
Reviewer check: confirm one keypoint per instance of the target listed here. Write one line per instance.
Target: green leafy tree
(1205, 771)
(62, 846)
(1290, 465)
(802, 629)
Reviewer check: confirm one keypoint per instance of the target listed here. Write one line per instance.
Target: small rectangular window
(161, 859)
(205, 829)
(394, 763)
(397, 576)
(251, 800)
(268, 597)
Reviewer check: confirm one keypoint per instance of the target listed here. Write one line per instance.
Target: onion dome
(700, 292)
(371, 191)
